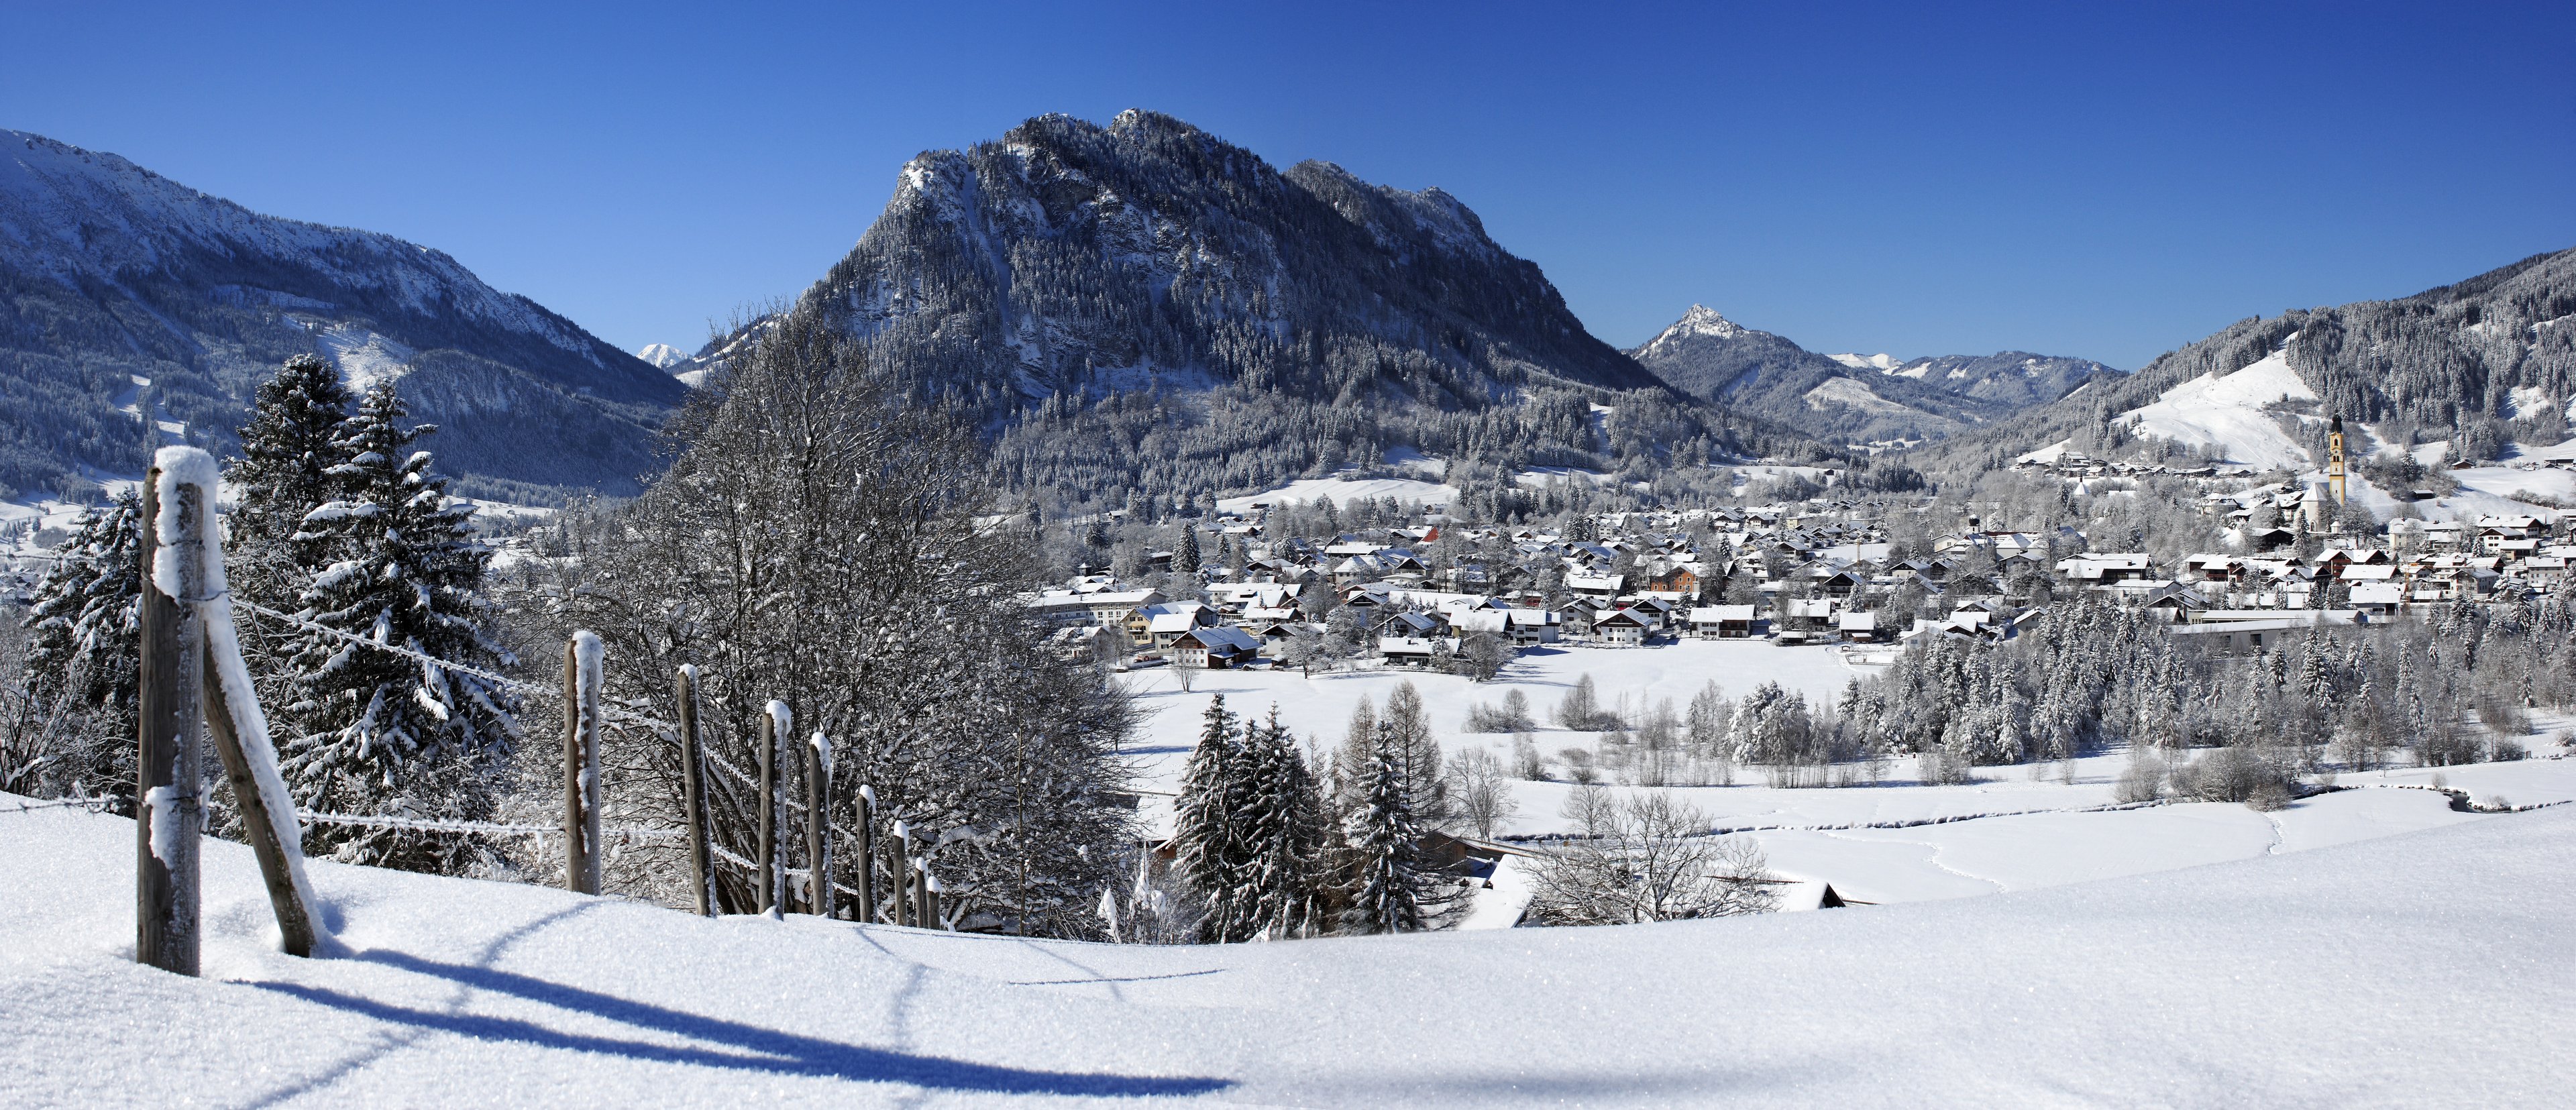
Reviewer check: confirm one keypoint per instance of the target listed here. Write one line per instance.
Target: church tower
(2334, 458)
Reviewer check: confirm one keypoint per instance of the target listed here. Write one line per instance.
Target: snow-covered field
(2027, 828)
(1344, 489)
(1320, 706)
(2425, 967)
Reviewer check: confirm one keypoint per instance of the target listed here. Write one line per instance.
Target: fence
(195, 688)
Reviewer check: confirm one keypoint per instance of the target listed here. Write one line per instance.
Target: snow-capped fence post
(189, 599)
(581, 762)
(773, 731)
(693, 802)
(899, 868)
(867, 853)
(930, 899)
(169, 811)
(818, 845)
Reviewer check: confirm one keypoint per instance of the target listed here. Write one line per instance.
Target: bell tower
(2334, 458)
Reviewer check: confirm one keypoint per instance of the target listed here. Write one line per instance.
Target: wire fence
(731, 775)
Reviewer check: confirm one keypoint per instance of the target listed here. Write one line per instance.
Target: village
(1440, 595)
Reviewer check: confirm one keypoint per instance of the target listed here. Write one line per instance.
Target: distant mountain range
(120, 288)
(1853, 400)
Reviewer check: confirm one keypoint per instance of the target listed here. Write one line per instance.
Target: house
(1722, 622)
(1859, 628)
(1593, 585)
(1108, 608)
(1411, 651)
(2105, 568)
(2376, 597)
(1215, 648)
(1625, 628)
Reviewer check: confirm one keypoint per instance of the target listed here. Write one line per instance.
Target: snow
(1883, 363)
(2356, 974)
(363, 358)
(1412, 460)
(2049, 454)
(662, 356)
(1342, 488)
(1851, 394)
(2227, 411)
(1320, 707)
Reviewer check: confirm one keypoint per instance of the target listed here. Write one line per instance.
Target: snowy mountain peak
(1883, 363)
(1703, 320)
(662, 356)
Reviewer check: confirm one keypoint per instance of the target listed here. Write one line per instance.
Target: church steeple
(2334, 458)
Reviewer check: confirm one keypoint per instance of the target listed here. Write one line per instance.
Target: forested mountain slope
(110, 273)
(2016, 378)
(1143, 306)
(2482, 364)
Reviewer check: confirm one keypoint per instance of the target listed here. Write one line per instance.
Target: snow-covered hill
(109, 272)
(2379, 973)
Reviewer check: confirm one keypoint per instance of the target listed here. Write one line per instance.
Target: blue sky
(2102, 180)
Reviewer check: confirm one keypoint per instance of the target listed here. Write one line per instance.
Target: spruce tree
(1207, 851)
(1185, 557)
(375, 732)
(1283, 834)
(1388, 891)
(80, 679)
(284, 472)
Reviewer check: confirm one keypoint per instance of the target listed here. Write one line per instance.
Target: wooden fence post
(169, 813)
(930, 899)
(899, 868)
(818, 842)
(581, 763)
(773, 731)
(867, 853)
(693, 803)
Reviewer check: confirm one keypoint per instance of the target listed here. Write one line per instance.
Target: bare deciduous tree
(1645, 858)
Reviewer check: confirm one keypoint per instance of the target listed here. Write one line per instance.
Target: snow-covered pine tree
(1185, 556)
(371, 731)
(1390, 890)
(284, 472)
(1282, 832)
(1207, 846)
(75, 718)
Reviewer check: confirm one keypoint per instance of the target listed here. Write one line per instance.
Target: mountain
(1079, 288)
(117, 285)
(662, 356)
(2478, 365)
(1761, 374)
(2015, 378)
